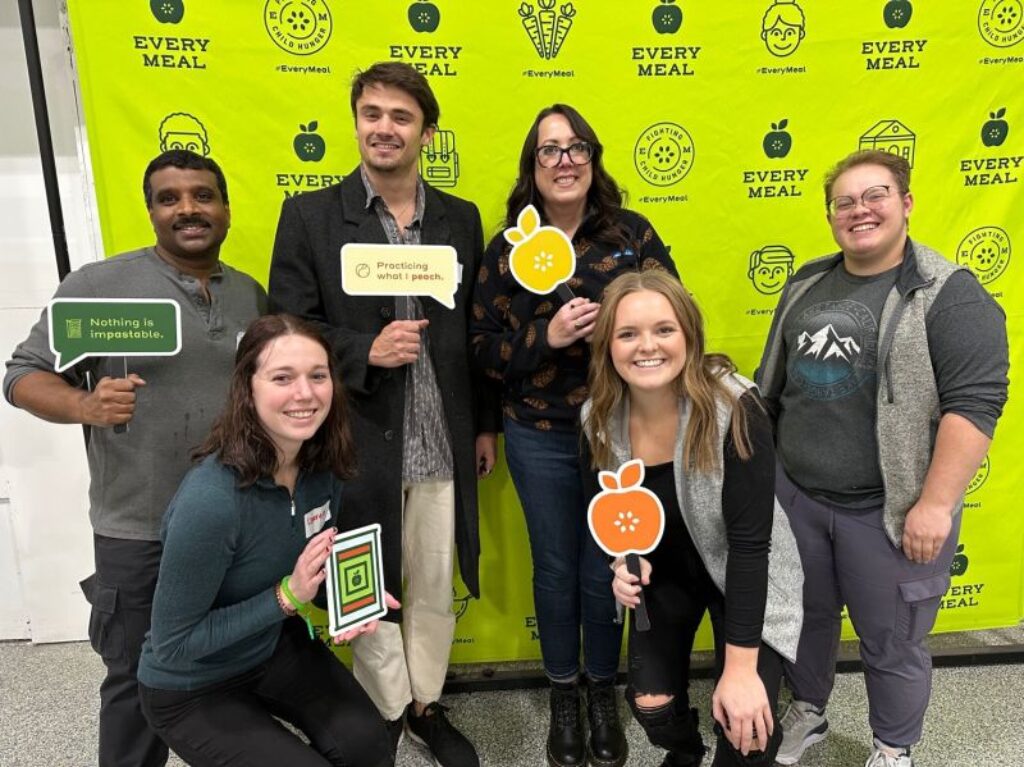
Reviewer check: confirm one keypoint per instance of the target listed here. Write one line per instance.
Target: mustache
(181, 223)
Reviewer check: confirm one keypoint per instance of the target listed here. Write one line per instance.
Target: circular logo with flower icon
(1001, 22)
(986, 252)
(300, 27)
(663, 154)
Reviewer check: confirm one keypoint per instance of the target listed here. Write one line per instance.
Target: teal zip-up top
(215, 613)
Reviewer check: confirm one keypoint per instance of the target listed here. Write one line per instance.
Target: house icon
(890, 136)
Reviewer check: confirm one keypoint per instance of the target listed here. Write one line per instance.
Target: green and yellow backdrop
(719, 119)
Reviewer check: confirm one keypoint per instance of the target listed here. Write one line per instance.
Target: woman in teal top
(245, 541)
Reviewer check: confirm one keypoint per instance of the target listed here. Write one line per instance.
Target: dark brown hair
(404, 77)
(239, 437)
(897, 165)
(604, 198)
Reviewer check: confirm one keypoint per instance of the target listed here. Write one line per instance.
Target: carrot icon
(547, 26)
(532, 27)
(562, 26)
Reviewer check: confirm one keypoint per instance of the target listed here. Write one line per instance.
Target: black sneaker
(607, 747)
(448, 747)
(565, 736)
(395, 729)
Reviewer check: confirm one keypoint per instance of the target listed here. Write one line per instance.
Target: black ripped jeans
(659, 660)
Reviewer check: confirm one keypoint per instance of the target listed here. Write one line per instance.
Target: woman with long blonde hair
(706, 445)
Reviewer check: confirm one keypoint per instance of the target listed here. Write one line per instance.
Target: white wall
(45, 539)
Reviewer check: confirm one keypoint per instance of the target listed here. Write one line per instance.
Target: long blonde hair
(700, 380)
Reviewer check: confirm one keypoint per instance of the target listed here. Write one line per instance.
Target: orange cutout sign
(626, 518)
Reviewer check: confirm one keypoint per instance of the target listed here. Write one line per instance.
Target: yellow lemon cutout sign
(542, 257)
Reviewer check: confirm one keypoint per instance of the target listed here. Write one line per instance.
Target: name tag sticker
(315, 519)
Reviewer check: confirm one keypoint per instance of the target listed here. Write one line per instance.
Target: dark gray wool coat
(305, 280)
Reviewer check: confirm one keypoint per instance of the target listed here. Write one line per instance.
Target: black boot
(607, 745)
(565, 736)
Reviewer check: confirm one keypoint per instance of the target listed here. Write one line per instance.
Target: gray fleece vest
(700, 501)
(907, 398)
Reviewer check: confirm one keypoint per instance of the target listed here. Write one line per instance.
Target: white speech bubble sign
(400, 270)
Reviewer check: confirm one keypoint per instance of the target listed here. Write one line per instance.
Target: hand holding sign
(112, 402)
(112, 327)
(542, 257)
(397, 344)
(627, 519)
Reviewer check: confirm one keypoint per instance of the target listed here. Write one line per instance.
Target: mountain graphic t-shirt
(826, 425)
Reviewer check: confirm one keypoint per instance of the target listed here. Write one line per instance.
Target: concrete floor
(48, 704)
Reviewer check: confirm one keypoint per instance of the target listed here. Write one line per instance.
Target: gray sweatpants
(848, 559)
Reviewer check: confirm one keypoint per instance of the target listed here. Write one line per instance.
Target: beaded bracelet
(283, 603)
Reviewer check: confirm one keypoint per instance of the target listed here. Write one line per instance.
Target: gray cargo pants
(848, 559)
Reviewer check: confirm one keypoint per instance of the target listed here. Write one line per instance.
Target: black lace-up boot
(565, 736)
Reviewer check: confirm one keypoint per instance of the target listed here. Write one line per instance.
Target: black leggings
(232, 722)
(659, 660)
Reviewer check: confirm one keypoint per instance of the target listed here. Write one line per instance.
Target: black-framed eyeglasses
(550, 155)
(873, 197)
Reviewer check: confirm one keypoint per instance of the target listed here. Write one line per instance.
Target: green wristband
(302, 608)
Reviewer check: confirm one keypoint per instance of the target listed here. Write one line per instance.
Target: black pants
(232, 722)
(659, 659)
(121, 595)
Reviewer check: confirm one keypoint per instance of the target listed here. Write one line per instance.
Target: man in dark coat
(423, 427)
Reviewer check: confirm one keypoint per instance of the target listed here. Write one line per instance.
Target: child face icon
(782, 27)
(782, 39)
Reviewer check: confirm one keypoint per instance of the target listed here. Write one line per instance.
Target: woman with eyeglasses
(537, 346)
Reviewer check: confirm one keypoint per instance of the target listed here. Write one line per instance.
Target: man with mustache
(423, 426)
(142, 425)
(885, 371)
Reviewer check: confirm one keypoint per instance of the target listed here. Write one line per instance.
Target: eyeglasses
(550, 155)
(873, 197)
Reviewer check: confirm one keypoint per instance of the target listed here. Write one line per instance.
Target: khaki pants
(396, 664)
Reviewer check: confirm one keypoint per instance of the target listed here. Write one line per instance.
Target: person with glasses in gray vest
(885, 371)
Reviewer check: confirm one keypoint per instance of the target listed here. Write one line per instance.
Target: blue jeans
(571, 577)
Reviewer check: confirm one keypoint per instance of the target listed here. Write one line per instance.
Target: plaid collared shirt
(426, 450)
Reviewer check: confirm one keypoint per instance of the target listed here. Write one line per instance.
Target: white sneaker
(882, 756)
(802, 726)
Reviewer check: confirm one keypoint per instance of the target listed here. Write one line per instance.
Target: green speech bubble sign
(112, 327)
